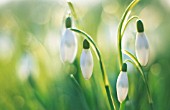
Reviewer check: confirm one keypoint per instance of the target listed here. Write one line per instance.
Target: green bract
(140, 27)
(124, 67)
(68, 22)
(86, 44)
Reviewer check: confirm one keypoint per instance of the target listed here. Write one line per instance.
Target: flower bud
(141, 45)
(86, 60)
(122, 84)
(68, 46)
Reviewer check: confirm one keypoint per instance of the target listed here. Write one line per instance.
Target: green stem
(106, 83)
(129, 20)
(122, 105)
(121, 29)
(112, 101)
(139, 67)
(119, 33)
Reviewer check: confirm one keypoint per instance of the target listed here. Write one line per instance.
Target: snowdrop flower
(86, 60)
(141, 45)
(122, 84)
(68, 46)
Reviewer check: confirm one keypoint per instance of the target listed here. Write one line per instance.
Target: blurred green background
(32, 76)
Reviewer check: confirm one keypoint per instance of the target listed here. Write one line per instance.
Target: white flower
(122, 85)
(86, 61)
(142, 48)
(141, 45)
(68, 46)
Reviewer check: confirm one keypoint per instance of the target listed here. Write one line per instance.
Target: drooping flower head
(122, 84)
(86, 60)
(68, 46)
(141, 45)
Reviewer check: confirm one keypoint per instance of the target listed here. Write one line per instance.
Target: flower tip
(86, 75)
(124, 67)
(86, 78)
(86, 44)
(140, 27)
(68, 22)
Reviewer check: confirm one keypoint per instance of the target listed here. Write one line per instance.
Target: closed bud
(86, 61)
(122, 84)
(68, 46)
(141, 45)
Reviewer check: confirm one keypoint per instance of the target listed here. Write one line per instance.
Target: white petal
(86, 63)
(122, 86)
(142, 48)
(68, 46)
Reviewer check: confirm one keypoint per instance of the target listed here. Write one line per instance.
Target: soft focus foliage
(35, 28)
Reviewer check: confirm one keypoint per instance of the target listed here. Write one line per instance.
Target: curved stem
(119, 33)
(128, 21)
(113, 101)
(127, 60)
(95, 48)
(139, 67)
